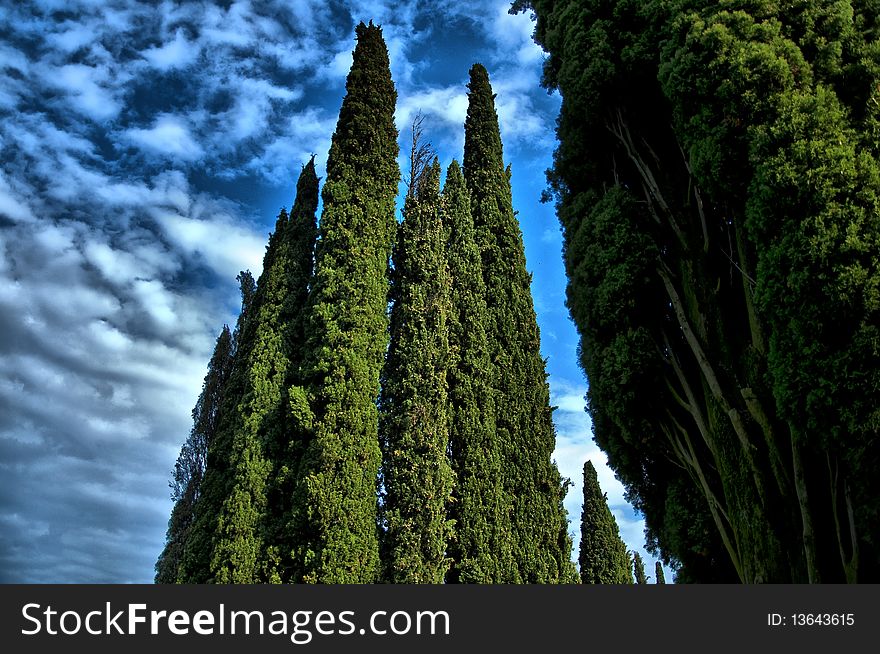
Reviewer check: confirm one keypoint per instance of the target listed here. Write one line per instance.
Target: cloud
(513, 33)
(224, 244)
(12, 206)
(169, 136)
(447, 104)
(89, 90)
(175, 54)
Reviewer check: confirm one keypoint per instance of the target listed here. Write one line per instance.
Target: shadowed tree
(242, 526)
(189, 470)
(286, 449)
(639, 568)
(243, 551)
(658, 573)
(194, 566)
(718, 185)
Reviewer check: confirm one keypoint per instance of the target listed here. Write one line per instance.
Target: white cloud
(339, 65)
(11, 205)
(225, 245)
(177, 53)
(304, 134)
(73, 37)
(90, 89)
(157, 302)
(169, 136)
(448, 104)
(513, 33)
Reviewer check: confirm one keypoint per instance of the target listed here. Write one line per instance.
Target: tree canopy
(717, 184)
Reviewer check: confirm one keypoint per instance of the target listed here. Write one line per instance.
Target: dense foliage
(481, 549)
(533, 489)
(334, 513)
(189, 470)
(239, 524)
(379, 422)
(718, 186)
(603, 556)
(414, 419)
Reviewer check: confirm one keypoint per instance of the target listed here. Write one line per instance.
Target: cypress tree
(243, 550)
(658, 573)
(480, 549)
(195, 561)
(414, 411)
(718, 184)
(639, 568)
(335, 410)
(189, 470)
(239, 549)
(286, 449)
(242, 525)
(603, 556)
(533, 489)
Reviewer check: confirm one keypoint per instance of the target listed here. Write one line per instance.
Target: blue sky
(147, 148)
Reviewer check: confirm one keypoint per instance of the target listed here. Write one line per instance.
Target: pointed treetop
(366, 116)
(307, 187)
(482, 135)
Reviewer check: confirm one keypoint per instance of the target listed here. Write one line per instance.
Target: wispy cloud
(169, 136)
(177, 53)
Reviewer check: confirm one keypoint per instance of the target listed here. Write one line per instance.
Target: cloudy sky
(146, 150)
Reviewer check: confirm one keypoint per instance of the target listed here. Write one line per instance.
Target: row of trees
(718, 184)
(335, 442)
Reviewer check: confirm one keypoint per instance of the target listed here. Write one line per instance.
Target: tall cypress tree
(414, 411)
(239, 551)
(241, 529)
(658, 573)
(639, 568)
(334, 516)
(603, 556)
(718, 184)
(189, 470)
(480, 549)
(532, 484)
(286, 449)
(194, 566)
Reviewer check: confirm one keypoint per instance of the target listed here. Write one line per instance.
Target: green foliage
(241, 520)
(658, 573)
(639, 568)
(717, 182)
(603, 555)
(414, 410)
(194, 566)
(285, 449)
(481, 547)
(533, 489)
(334, 409)
(189, 470)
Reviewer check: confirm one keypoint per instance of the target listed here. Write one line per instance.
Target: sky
(146, 150)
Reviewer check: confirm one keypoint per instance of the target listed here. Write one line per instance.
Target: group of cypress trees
(718, 184)
(338, 442)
